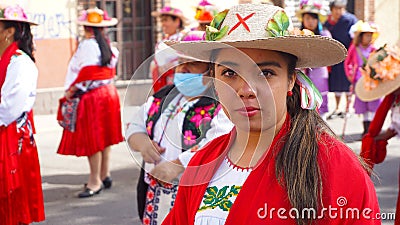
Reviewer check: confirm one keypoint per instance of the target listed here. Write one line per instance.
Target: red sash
(94, 73)
(5, 60)
(85, 74)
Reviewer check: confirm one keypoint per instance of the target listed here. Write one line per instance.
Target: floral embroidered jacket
(197, 119)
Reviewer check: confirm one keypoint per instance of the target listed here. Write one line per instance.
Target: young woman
(281, 158)
(21, 197)
(364, 34)
(90, 110)
(312, 16)
(172, 123)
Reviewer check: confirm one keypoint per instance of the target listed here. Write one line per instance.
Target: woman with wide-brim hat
(89, 112)
(173, 24)
(168, 127)
(280, 154)
(364, 34)
(312, 15)
(21, 197)
(381, 78)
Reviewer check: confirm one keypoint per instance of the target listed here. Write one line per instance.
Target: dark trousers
(141, 191)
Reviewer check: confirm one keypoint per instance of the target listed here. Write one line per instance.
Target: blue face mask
(190, 84)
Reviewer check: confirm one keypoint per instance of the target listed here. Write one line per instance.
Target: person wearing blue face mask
(169, 127)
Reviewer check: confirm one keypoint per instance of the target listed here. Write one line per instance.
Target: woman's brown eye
(228, 73)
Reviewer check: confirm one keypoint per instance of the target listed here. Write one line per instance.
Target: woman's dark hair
(177, 18)
(105, 49)
(22, 36)
(315, 16)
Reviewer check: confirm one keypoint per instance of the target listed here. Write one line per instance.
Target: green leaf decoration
(222, 192)
(222, 33)
(212, 191)
(213, 32)
(278, 25)
(214, 198)
(225, 205)
(219, 19)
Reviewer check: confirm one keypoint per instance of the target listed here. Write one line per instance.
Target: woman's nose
(246, 90)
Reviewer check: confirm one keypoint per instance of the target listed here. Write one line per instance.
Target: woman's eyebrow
(227, 64)
(269, 63)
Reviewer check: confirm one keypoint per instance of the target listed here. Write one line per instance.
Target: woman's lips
(248, 111)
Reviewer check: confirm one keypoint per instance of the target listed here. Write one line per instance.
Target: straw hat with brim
(263, 26)
(14, 13)
(96, 18)
(168, 10)
(369, 89)
(312, 7)
(364, 27)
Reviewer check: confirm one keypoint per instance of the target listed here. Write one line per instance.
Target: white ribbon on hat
(310, 96)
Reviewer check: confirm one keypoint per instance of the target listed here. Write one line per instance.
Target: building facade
(135, 35)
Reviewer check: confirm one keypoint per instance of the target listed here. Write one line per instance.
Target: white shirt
(18, 92)
(87, 54)
(395, 124)
(228, 177)
(172, 137)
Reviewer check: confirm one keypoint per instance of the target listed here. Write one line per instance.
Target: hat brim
(311, 51)
(382, 89)
(104, 23)
(181, 17)
(22, 21)
(322, 18)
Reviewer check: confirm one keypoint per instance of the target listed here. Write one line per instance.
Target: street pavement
(63, 176)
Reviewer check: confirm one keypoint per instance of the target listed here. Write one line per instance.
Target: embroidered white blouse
(169, 136)
(221, 193)
(18, 92)
(87, 54)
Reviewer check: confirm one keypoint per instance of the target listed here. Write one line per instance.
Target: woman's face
(169, 25)
(337, 12)
(310, 22)
(366, 38)
(6, 37)
(253, 94)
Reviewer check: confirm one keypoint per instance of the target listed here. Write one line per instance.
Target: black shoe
(107, 182)
(89, 192)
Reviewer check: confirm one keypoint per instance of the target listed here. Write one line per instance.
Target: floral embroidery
(149, 127)
(198, 121)
(214, 198)
(201, 114)
(189, 138)
(214, 31)
(278, 25)
(155, 106)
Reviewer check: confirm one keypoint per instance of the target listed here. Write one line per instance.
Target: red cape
(342, 176)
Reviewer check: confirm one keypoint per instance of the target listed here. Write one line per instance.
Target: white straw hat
(263, 26)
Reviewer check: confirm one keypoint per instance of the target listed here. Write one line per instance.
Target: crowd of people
(238, 115)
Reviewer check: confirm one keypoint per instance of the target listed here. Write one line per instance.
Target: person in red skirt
(21, 197)
(90, 110)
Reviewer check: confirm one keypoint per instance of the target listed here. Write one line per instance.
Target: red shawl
(342, 176)
(94, 73)
(5, 60)
(373, 151)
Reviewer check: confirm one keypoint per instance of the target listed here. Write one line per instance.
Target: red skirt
(21, 196)
(98, 123)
